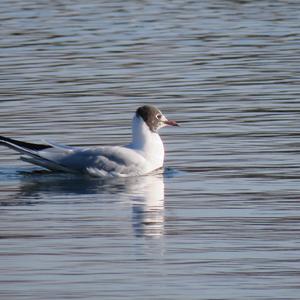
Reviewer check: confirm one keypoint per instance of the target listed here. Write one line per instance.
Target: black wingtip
(25, 145)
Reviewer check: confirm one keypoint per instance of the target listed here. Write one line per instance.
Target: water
(222, 222)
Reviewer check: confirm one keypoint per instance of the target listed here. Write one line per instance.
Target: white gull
(143, 155)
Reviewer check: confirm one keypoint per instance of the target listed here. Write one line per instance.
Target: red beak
(171, 123)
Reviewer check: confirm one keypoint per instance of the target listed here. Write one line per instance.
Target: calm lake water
(223, 221)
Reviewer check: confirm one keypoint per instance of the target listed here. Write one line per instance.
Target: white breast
(147, 143)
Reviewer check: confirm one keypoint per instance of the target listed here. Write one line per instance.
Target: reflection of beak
(171, 123)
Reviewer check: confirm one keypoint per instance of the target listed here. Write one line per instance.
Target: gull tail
(31, 152)
(22, 147)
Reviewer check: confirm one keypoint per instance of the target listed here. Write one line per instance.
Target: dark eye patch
(150, 116)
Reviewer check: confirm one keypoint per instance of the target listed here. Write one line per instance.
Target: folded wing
(97, 161)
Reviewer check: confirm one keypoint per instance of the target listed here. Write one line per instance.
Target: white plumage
(143, 155)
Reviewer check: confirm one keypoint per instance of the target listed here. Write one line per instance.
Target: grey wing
(104, 161)
(99, 161)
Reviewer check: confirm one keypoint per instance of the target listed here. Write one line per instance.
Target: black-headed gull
(143, 155)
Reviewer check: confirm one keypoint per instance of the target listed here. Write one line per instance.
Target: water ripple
(223, 220)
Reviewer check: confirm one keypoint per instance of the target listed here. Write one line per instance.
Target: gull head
(153, 117)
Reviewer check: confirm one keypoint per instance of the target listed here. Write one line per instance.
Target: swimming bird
(143, 155)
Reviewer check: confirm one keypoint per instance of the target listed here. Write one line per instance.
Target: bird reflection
(145, 195)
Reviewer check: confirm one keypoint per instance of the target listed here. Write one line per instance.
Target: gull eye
(158, 116)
